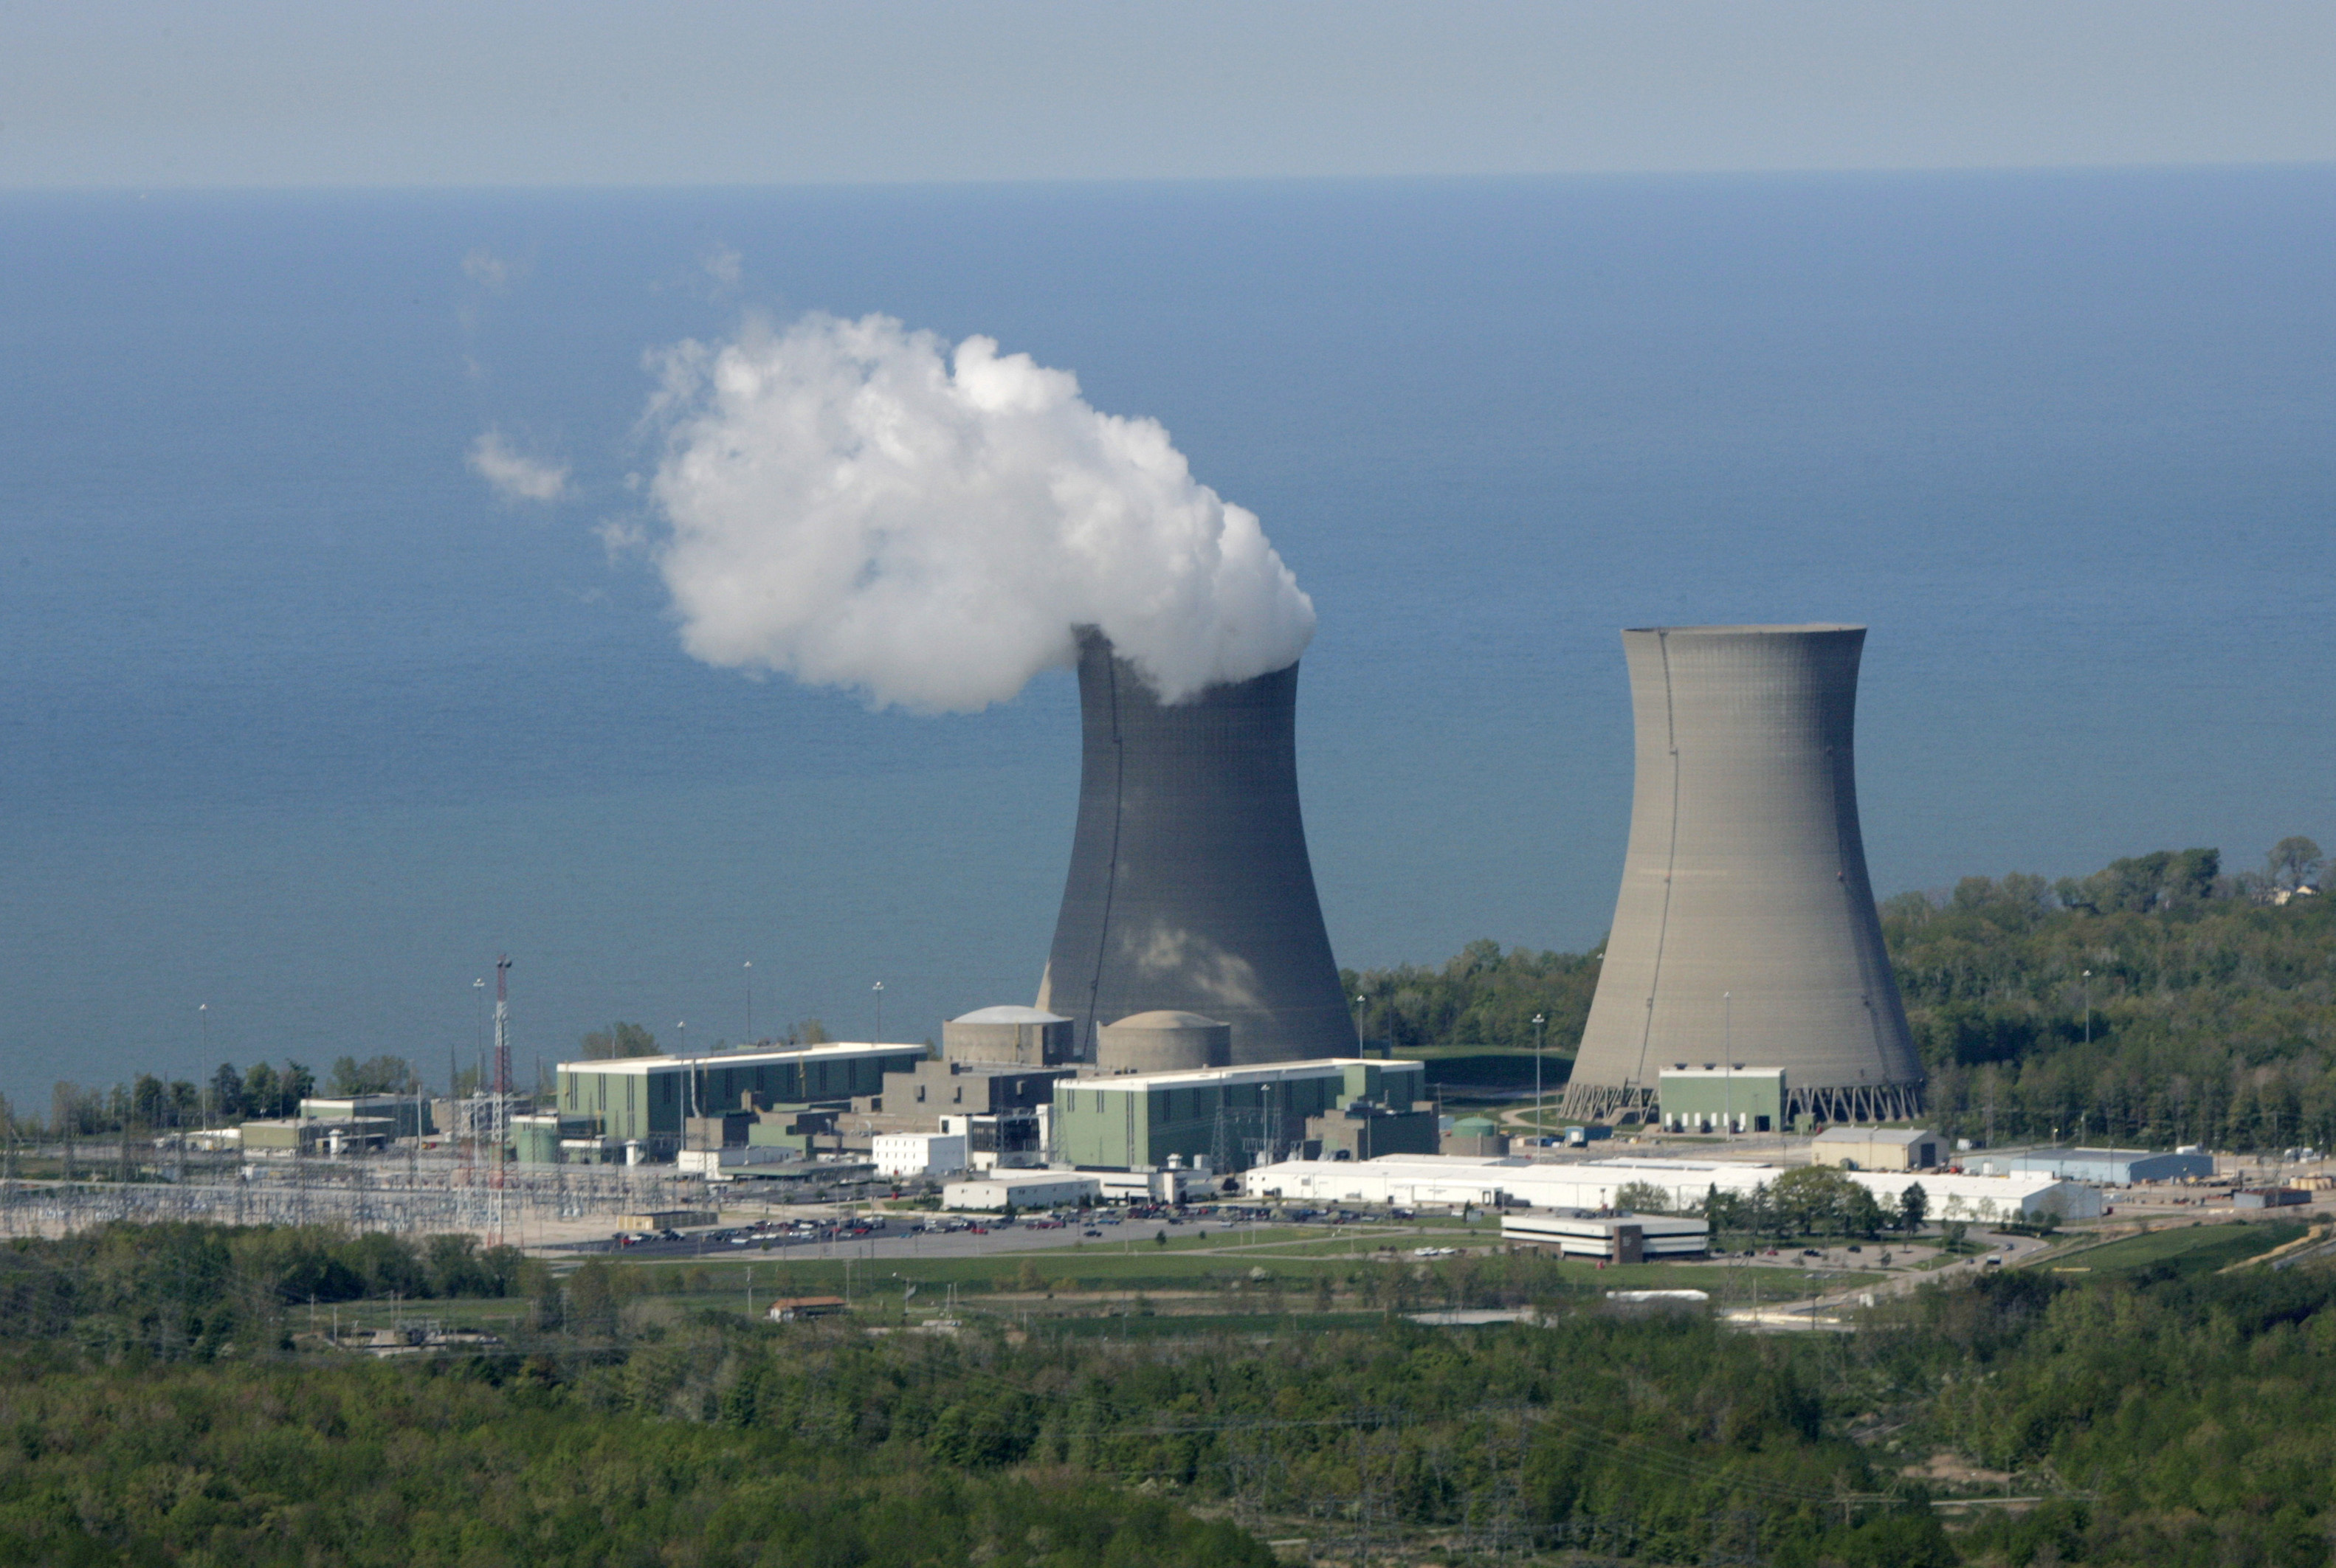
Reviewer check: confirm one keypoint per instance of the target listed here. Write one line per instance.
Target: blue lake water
(297, 721)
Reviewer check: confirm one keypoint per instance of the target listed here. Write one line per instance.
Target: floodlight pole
(1727, 1064)
(1541, 1039)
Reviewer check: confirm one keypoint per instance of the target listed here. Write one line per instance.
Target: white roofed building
(1457, 1180)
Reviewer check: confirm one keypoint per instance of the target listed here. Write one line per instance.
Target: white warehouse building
(1489, 1182)
(1042, 1189)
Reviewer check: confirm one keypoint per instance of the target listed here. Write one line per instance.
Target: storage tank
(1745, 929)
(1164, 1041)
(1190, 889)
(1027, 1036)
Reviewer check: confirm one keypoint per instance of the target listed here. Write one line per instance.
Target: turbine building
(1190, 890)
(1744, 937)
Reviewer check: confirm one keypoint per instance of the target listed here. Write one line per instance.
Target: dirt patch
(1951, 1469)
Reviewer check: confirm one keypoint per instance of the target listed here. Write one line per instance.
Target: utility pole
(750, 1003)
(880, 1013)
(1727, 1064)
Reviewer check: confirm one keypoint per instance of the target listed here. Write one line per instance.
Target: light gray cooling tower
(1745, 930)
(1190, 890)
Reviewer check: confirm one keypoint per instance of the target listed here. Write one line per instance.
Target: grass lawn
(1122, 1326)
(2188, 1249)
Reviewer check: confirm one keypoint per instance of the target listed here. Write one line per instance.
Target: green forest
(162, 1402)
(2159, 1000)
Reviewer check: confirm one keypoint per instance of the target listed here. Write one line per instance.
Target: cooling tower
(1190, 890)
(1745, 932)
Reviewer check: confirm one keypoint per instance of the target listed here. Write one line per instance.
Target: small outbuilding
(1476, 1135)
(1878, 1148)
(795, 1309)
(2269, 1197)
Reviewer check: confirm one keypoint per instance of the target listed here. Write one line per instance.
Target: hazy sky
(263, 92)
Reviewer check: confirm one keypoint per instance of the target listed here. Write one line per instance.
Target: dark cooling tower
(1746, 929)
(1190, 889)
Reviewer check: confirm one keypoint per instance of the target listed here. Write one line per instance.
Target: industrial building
(1878, 1148)
(1001, 1190)
(1231, 1117)
(918, 1153)
(1190, 889)
(548, 1137)
(1617, 1238)
(290, 1135)
(999, 1109)
(1744, 929)
(407, 1114)
(647, 1099)
(2114, 1167)
(1718, 1097)
(1454, 1181)
(721, 1163)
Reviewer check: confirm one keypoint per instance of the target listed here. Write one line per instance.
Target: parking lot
(931, 1235)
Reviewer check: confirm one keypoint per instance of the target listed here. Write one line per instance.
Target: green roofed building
(645, 1098)
(1233, 1117)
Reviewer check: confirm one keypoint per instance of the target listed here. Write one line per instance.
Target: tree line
(148, 1104)
(1483, 996)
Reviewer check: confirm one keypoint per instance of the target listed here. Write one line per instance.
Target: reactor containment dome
(1190, 889)
(1745, 932)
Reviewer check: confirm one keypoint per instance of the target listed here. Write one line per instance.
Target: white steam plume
(857, 505)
